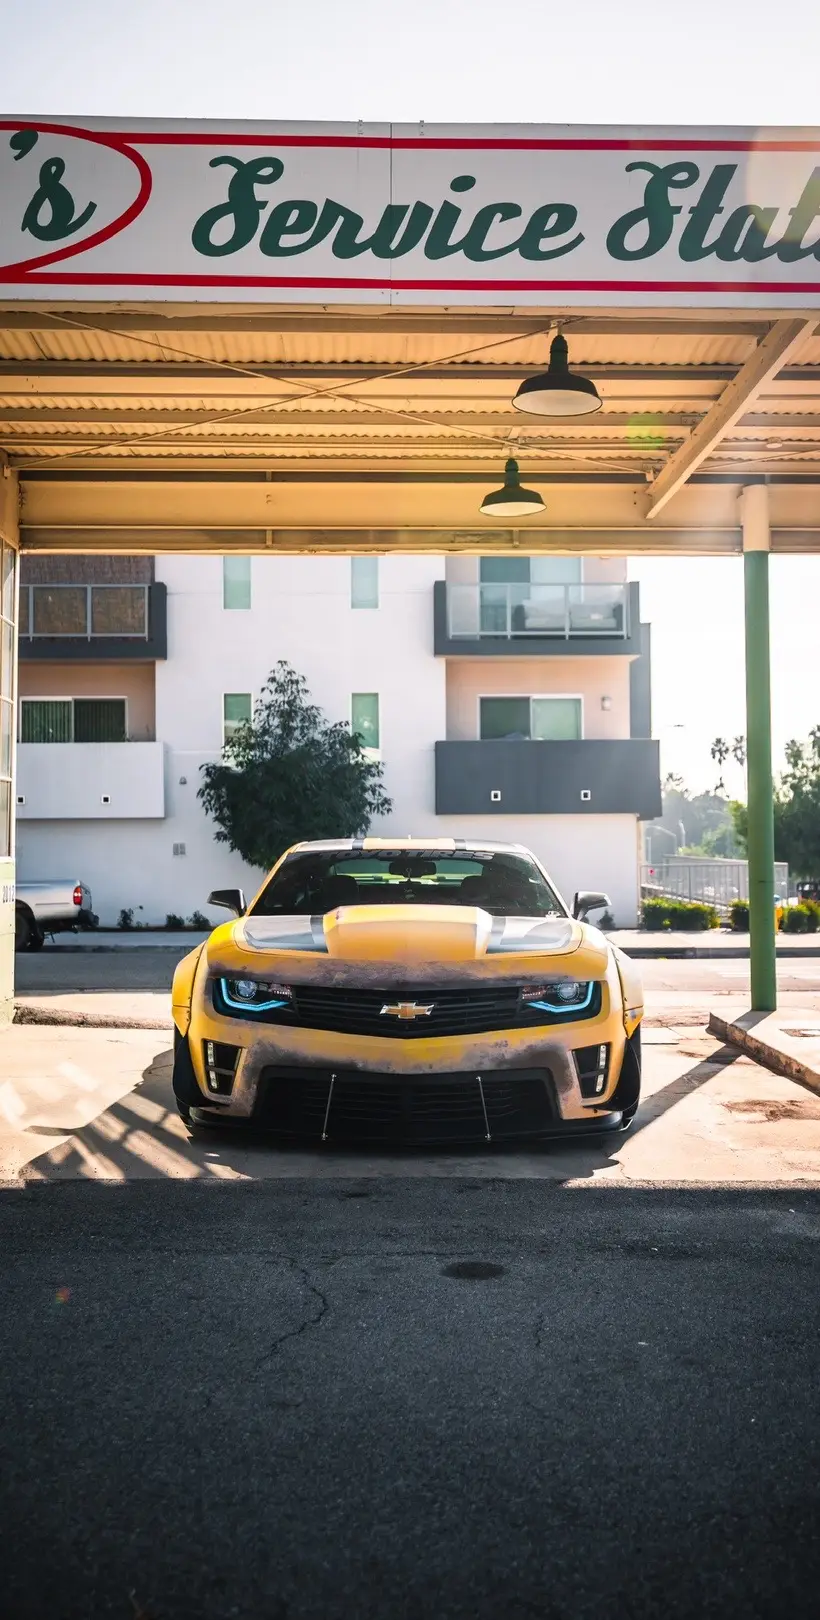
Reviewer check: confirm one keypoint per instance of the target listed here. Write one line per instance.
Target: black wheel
(23, 929)
(37, 940)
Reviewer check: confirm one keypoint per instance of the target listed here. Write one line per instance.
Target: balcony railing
(84, 612)
(563, 612)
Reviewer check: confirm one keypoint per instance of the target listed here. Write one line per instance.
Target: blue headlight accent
(248, 1006)
(564, 1006)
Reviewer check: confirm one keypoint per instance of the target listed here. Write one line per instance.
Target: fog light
(220, 1066)
(592, 1063)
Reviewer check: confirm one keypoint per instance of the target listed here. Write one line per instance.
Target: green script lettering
(790, 248)
(657, 213)
(554, 219)
(60, 221)
(243, 206)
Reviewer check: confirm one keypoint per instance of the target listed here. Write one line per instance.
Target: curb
(25, 1013)
(772, 1058)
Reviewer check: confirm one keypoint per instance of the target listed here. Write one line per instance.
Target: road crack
(310, 1319)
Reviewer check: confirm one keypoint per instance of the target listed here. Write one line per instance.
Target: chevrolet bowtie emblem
(408, 1009)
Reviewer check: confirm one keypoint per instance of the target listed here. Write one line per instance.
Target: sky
(745, 62)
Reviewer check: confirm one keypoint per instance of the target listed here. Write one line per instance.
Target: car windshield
(503, 884)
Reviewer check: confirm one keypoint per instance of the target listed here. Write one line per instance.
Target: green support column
(755, 517)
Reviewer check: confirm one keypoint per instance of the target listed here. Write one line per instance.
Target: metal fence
(716, 882)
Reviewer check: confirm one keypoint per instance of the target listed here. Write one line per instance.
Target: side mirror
(233, 899)
(587, 900)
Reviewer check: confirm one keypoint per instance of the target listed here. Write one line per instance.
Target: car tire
(24, 929)
(37, 940)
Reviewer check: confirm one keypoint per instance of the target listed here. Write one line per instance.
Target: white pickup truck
(50, 908)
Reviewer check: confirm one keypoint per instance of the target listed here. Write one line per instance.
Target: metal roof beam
(403, 322)
(782, 343)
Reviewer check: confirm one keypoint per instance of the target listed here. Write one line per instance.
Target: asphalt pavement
(395, 1400)
(241, 1383)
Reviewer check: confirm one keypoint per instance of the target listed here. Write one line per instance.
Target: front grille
(404, 1110)
(465, 1010)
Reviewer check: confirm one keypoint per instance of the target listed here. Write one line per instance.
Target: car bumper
(318, 1083)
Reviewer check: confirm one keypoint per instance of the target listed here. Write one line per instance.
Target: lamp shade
(559, 391)
(511, 500)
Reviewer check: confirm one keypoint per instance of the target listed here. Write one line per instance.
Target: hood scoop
(408, 933)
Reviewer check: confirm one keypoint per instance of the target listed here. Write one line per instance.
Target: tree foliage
(796, 809)
(290, 775)
(705, 819)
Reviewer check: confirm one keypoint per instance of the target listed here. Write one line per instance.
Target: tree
(701, 822)
(721, 750)
(796, 809)
(289, 775)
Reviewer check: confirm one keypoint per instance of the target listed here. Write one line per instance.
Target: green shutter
(45, 720)
(99, 720)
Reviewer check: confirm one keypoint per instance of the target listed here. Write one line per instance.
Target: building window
(554, 719)
(364, 719)
(237, 710)
(236, 582)
(364, 582)
(84, 611)
(65, 720)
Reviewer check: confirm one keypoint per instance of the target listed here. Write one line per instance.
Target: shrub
(688, 916)
(196, 920)
(739, 916)
(798, 920)
(813, 909)
(126, 918)
(173, 921)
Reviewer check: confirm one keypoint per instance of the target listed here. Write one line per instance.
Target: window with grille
(65, 720)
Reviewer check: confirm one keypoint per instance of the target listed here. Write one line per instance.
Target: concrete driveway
(97, 1104)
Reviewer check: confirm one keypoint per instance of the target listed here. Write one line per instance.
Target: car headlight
(565, 995)
(255, 995)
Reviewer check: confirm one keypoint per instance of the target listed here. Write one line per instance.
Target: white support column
(9, 589)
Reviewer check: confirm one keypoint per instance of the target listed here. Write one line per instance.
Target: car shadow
(142, 1136)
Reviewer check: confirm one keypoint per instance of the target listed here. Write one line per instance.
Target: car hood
(397, 944)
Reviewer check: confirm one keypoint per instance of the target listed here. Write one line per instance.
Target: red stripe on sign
(90, 279)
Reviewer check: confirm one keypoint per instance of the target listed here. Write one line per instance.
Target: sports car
(411, 992)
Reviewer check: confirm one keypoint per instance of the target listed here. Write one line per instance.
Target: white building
(507, 696)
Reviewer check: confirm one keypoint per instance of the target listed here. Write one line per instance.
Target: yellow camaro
(411, 992)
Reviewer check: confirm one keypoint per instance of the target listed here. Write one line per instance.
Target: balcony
(527, 778)
(113, 623)
(536, 621)
(120, 781)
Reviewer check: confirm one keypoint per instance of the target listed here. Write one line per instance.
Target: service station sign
(409, 215)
